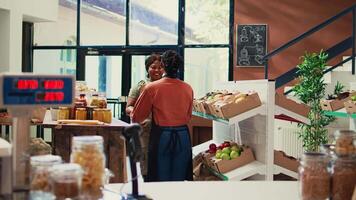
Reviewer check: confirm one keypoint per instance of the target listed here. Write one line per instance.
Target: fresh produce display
(226, 104)
(225, 151)
(353, 98)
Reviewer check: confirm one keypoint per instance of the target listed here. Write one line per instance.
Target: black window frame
(127, 49)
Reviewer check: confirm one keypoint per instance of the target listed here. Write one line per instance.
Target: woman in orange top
(170, 102)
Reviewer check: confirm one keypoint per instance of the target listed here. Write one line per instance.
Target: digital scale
(20, 95)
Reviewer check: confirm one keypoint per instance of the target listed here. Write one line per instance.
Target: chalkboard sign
(251, 44)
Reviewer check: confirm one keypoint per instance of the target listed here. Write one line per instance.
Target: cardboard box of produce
(299, 108)
(198, 106)
(224, 166)
(350, 106)
(288, 162)
(208, 105)
(335, 104)
(240, 105)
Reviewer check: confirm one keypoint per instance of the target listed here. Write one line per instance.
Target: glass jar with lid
(98, 114)
(345, 142)
(63, 113)
(314, 176)
(343, 177)
(107, 116)
(81, 114)
(94, 101)
(82, 99)
(39, 177)
(102, 101)
(87, 151)
(66, 181)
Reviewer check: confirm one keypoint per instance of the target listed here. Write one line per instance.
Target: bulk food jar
(39, 177)
(66, 181)
(343, 177)
(345, 143)
(87, 151)
(314, 176)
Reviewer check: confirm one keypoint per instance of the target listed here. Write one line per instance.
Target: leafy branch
(310, 90)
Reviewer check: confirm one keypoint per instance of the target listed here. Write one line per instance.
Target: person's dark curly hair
(172, 63)
(150, 60)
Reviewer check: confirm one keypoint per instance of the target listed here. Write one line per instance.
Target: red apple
(225, 144)
(212, 146)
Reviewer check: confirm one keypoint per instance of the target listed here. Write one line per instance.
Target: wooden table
(114, 142)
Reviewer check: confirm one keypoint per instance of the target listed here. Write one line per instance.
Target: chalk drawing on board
(251, 44)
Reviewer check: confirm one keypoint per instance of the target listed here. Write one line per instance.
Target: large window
(207, 22)
(106, 43)
(153, 22)
(211, 68)
(58, 32)
(55, 61)
(102, 22)
(103, 73)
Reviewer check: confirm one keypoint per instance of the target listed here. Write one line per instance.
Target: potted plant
(310, 90)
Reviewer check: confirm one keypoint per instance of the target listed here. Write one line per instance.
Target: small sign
(251, 44)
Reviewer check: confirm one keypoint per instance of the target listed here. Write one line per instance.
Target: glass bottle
(39, 177)
(343, 177)
(314, 176)
(87, 151)
(66, 181)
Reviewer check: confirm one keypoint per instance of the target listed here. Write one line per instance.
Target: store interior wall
(12, 14)
(287, 19)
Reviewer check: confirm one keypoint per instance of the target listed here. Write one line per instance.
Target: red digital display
(53, 84)
(27, 84)
(50, 96)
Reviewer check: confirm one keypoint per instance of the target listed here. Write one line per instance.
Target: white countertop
(212, 190)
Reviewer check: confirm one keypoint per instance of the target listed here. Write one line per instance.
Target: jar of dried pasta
(314, 176)
(343, 177)
(345, 142)
(39, 177)
(87, 151)
(66, 181)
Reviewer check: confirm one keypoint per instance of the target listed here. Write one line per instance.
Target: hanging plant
(310, 90)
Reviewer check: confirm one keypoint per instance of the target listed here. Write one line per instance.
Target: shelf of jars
(252, 128)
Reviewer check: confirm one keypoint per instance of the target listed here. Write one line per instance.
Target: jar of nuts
(87, 151)
(345, 143)
(314, 176)
(343, 177)
(39, 177)
(66, 181)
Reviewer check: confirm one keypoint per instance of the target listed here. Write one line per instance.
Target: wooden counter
(114, 142)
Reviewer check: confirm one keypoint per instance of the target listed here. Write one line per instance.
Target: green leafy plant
(310, 90)
(339, 88)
